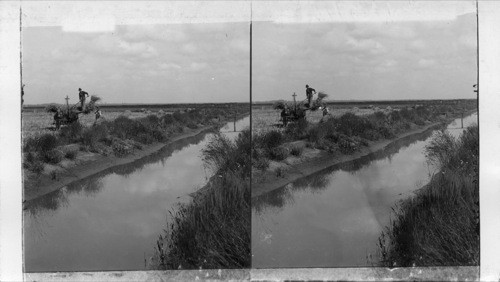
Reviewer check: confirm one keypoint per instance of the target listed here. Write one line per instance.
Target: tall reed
(213, 230)
(440, 224)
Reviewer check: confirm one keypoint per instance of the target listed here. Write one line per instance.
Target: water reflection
(317, 182)
(110, 221)
(92, 185)
(334, 217)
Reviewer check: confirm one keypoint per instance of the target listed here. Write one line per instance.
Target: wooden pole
(462, 120)
(234, 122)
(294, 101)
(67, 104)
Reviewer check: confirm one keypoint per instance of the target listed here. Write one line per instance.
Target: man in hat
(309, 94)
(81, 95)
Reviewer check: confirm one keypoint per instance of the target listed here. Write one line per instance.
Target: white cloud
(194, 66)
(137, 49)
(189, 48)
(426, 63)
(168, 66)
(242, 45)
(401, 31)
(55, 62)
(468, 40)
(366, 45)
(417, 45)
(167, 33)
(115, 46)
(390, 63)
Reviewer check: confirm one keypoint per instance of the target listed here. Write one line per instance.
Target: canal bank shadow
(92, 185)
(319, 181)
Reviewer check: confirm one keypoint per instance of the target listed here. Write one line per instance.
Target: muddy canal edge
(102, 163)
(325, 160)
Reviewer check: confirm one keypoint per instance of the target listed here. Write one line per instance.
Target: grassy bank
(440, 224)
(345, 134)
(213, 230)
(118, 137)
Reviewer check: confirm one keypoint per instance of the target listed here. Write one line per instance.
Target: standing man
(97, 114)
(81, 95)
(309, 94)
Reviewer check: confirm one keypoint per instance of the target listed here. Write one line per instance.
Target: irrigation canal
(334, 218)
(111, 221)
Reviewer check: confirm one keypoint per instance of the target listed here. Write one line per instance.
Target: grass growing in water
(440, 224)
(213, 230)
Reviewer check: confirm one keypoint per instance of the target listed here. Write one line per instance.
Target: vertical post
(462, 120)
(67, 104)
(234, 122)
(294, 102)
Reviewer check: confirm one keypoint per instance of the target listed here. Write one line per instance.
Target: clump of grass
(213, 231)
(297, 130)
(260, 163)
(279, 153)
(52, 156)
(167, 119)
(316, 134)
(29, 158)
(121, 149)
(222, 154)
(72, 132)
(32, 163)
(269, 139)
(36, 167)
(351, 124)
(71, 154)
(439, 226)
(296, 150)
(42, 148)
(46, 143)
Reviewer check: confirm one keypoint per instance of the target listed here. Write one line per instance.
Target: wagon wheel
(300, 114)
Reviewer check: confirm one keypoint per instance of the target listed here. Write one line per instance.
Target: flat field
(265, 118)
(39, 122)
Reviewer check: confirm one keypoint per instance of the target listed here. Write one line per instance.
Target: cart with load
(71, 113)
(297, 111)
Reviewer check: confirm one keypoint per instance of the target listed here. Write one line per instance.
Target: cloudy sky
(175, 52)
(170, 63)
(376, 59)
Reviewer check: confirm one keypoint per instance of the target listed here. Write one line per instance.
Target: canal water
(111, 221)
(334, 218)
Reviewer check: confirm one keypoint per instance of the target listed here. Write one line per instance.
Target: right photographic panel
(365, 134)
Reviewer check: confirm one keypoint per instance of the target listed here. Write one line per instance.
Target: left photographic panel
(135, 135)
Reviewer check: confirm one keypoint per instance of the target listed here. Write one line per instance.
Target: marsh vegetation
(440, 224)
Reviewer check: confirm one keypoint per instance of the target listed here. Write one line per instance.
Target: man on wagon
(81, 95)
(309, 94)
